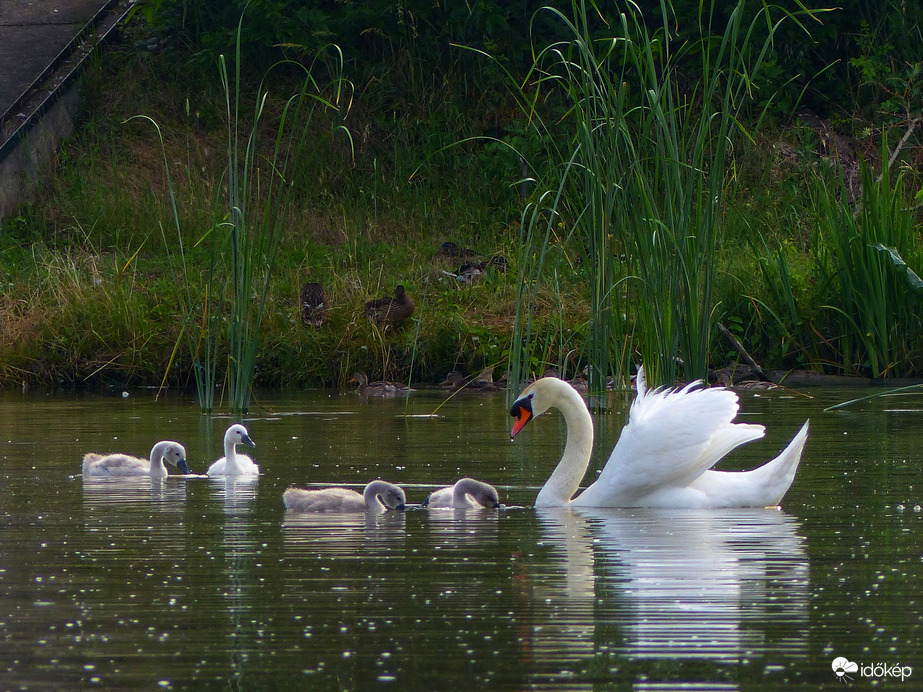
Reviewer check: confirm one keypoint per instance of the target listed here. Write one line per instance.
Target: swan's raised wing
(672, 438)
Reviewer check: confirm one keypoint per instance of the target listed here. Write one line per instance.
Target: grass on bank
(90, 297)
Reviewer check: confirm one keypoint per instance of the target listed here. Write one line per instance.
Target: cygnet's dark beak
(401, 507)
(247, 441)
(183, 466)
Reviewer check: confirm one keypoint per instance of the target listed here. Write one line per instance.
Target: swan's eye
(519, 404)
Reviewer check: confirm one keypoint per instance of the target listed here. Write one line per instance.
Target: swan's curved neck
(564, 481)
(158, 470)
(231, 465)
(372, 490)
(460, 492)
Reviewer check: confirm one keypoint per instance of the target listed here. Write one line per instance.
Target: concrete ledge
(38, 85)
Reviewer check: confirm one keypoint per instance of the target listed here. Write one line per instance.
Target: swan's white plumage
(232, 463)
(377, 495)
(664, 454)
(126, 465)
(467, 493)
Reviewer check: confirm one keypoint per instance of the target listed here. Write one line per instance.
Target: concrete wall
(26, 169)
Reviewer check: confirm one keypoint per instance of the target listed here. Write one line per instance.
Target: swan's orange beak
(522, 411)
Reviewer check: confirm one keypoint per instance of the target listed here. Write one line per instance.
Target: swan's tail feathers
(727, 439)
(641, 382)
(780, 472)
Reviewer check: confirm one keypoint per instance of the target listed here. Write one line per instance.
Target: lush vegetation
(645, 175)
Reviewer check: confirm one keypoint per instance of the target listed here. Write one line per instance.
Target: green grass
(92, 296)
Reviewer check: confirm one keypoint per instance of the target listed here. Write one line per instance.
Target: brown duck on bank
(455, 381)
(380, 388)
(313, 304)
(579, 382)
(390, 310)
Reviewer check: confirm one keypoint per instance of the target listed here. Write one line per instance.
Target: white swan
(467, 493)
(125, 465)
(232, 463)
(664, 454)
(377, 495)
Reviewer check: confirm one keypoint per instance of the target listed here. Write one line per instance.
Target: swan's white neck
(231, 464)
(158, 470)
(564, 481)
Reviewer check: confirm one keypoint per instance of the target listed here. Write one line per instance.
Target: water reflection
(235, 493)
(241, 547)
(195, 582)
(133, 492)
(713, 585)
(562, 630)
(372, 533)
(456, 525)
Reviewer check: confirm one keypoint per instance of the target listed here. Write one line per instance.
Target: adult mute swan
(124, 465)
(467, 493)
(664, 455)
(377, 495)
(232, 463)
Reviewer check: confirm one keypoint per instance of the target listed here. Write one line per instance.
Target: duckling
(377, 495)
(313, 304)
(380, 388)
(390, 310)
(467, 493)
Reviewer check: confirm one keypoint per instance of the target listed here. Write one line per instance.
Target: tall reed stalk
(261, 189)
(263, 180)
(638, 170)
(863, 254)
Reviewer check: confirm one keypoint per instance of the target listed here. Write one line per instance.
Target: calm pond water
(207, 583)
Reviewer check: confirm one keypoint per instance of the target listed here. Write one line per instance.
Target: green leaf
(916, 283)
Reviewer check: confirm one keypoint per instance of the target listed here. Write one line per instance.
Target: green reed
(222, 316)
(863, 254)
(637, 174)
(261, 190)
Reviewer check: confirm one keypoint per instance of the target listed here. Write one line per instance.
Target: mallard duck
(451, 250)
(482, 383)
(578, 382)
(313, 304)
(379, 388)
(390, 310)
(739, 376)
(664, 455)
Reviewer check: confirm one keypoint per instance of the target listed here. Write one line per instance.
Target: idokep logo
(845, 670)
(842, 667)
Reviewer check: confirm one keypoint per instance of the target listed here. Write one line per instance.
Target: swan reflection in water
(236, 493)
(131, 495)
(453, 525)
(377, 532)
(683, 584)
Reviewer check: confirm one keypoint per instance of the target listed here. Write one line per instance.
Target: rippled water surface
(205, 582)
